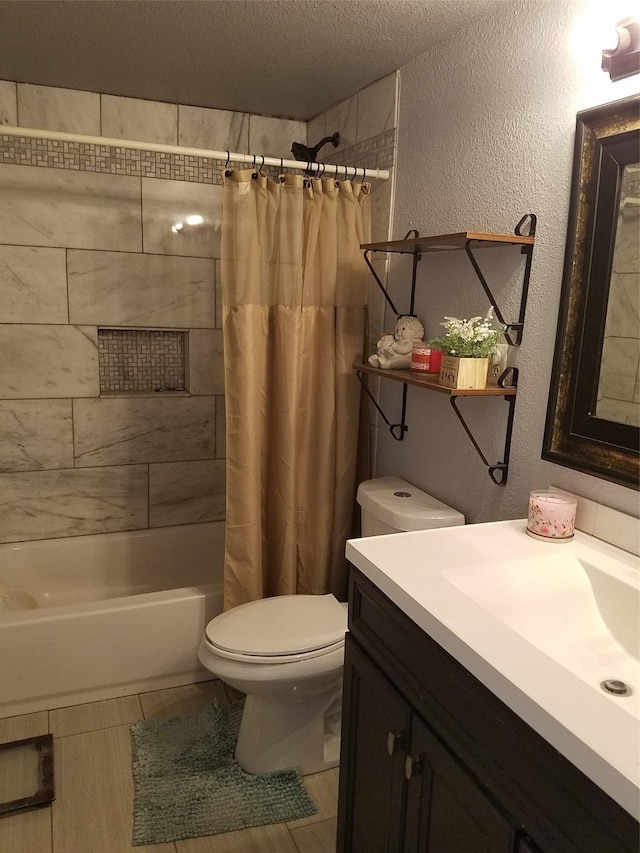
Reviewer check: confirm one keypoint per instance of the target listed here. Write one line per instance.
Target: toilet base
(276, 734)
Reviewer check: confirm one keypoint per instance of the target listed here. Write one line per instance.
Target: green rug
(188, 784)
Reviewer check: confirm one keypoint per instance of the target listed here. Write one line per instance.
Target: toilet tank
(391, 505)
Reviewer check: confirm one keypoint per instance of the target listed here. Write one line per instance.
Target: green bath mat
(188, 784)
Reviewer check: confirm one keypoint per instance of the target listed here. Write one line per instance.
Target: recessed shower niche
(142, 361)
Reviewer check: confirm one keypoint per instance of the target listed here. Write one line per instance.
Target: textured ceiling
(289, 58)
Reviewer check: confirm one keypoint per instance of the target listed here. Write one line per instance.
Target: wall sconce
(624, 60)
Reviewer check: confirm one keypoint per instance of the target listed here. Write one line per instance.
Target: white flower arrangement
(472, 338)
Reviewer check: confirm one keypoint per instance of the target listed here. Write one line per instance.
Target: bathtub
(110, 615)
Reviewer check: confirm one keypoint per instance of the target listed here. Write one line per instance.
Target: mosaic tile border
(375, 153)
(82, 157)
(379, 152)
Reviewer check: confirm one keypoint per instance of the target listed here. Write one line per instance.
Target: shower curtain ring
(262, 164)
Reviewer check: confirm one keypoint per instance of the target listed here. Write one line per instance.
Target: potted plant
(467, 347)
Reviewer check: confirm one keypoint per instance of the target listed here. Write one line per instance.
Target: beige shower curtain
(294, 308)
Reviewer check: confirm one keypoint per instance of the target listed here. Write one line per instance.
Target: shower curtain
(294, 290)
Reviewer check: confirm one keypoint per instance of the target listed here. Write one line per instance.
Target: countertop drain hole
(616, 687)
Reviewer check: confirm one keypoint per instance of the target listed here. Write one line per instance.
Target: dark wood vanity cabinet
(433, 762)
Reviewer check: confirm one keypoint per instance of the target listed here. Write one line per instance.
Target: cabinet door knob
(394, 742)
(412, 766)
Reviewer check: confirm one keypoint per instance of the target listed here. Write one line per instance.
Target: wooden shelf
(448, 243)
(430, 381)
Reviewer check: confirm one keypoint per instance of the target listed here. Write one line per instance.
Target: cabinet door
(374, 737)
(446, 809)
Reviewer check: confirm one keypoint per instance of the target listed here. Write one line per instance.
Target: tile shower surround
(86, 242)
(104, 251)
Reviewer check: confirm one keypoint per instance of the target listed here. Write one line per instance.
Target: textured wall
(486, 133)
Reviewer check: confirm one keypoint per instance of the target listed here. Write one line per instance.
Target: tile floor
(92, 812)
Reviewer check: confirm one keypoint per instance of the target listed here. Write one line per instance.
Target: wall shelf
(448, 243)
(430, 381)
(467, 241)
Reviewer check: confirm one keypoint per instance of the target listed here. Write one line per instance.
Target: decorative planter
(465, 373)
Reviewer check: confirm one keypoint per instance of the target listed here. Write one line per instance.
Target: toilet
(286, 653)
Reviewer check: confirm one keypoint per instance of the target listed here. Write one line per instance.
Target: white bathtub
(118, 613)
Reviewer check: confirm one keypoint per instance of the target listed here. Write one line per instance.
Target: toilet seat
(281, 629)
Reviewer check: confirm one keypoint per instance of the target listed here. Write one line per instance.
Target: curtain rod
(258, 159)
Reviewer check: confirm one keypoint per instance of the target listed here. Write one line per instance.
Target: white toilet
(286, 653)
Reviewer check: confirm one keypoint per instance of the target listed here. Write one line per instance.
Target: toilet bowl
(286, 653)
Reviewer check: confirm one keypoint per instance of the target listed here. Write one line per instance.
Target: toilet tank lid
(386, 499)
(281, 625)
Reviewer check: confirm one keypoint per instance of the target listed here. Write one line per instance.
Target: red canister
(424, 359)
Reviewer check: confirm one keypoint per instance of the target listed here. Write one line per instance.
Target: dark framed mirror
(594, 401)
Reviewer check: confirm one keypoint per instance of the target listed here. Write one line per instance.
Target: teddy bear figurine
(394, 351)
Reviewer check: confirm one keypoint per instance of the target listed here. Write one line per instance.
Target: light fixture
(194, 219)
(624, 59)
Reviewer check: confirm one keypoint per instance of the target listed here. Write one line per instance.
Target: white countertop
(437, 577)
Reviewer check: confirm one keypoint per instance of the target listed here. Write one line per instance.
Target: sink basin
(576, 604)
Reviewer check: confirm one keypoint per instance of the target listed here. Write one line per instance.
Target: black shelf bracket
(513, 331)
(500, 471)
(396, 430)
(416, 258)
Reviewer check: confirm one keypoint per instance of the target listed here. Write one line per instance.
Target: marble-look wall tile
(343, 118)
(623, 311)
(377, 108)
(221, 429)
(165, 208)
(132, 118)
(217, 130)
(8, 103)
(50, 108)
(206, 365)
(317, 129)
(376, 303)
(72, 502)
(48, 361)
(33, 284)
(126, 289)
(273, 136)
(186, 492)
(619, 411)
(381, 210)
(82, 210)
(619, 369)
(35, 434)
(121, 430)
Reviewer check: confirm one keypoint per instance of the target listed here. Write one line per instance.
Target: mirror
(593, 414)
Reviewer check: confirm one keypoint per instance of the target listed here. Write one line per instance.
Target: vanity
(473, 716)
